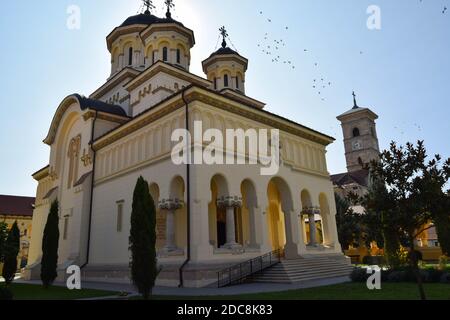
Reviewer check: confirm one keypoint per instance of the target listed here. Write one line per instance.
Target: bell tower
(360, 136)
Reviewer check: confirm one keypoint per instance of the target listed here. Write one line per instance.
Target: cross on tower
(224, 34)
(149, 5)
(355, 105)
(169, 4)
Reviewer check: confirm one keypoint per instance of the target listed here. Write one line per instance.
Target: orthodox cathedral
(209, 217)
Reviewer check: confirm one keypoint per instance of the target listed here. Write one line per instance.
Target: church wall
(118, 96)
(154, 91)
(109, 246)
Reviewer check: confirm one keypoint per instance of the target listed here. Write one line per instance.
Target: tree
(379, 224)
(143, 239)
(3, 237)
(348, 223)
(50, 243)
(12, 247)
(414, 196)
(431, 184)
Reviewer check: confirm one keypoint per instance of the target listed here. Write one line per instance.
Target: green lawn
(346, 291)
(37, 292)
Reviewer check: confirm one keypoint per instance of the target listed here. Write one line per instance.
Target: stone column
(170, 206)
(230, 204)
(311, 212)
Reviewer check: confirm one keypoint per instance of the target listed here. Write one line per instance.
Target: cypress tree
(143, 239)
(50, 243)
(12, 247)
(3, 237)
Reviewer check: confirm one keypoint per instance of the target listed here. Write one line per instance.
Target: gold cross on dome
(149, 5)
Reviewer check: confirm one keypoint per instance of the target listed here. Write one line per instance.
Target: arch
(226, 80)
(160, 218)
(247, 227)
(280, 206)
(177, 188)
(326, 219)
(356, 132)
(306, 199)
(130, 56)
(165, 54)
(216, 215)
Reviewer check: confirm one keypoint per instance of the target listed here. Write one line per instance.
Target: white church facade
(208, 216)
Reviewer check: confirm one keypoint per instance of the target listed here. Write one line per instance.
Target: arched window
(153, 57)
(178, 56)
(356, 132)
(237, 82)
(360, 162)
(225, 80)
(165, 54)
(130, 56)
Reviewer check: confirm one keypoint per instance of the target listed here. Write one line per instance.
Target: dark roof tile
(16, 206)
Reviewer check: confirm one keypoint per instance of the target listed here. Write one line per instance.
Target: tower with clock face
(360, 136)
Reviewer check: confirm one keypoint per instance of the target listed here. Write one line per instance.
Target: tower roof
(148, 19)
(357, 109)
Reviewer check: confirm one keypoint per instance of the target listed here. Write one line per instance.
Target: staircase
(305, 269)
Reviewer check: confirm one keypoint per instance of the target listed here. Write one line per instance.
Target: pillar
(230, 203)
(170, 206)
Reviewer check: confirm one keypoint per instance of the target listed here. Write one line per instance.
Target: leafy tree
(3, 237)
(379, 224)
(50, 243)
(348, 223)
(143, 239)
(431, 186)
(411, 195)
(12, 247)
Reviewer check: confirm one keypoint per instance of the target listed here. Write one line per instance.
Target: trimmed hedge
(403, 275)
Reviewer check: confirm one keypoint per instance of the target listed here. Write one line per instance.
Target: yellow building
(20, 209)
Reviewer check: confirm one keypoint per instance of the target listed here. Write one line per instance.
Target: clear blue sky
(403, 73)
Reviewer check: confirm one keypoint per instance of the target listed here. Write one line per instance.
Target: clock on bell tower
(360, 136)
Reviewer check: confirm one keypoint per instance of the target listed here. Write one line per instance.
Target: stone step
(294, 273)
(289, 271)
(298, 278)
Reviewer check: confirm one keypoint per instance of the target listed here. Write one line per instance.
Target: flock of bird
(274, 49)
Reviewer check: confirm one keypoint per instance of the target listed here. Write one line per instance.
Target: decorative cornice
(122, 75)
(171, 204)
(228, 57)
(120, 31)
(311, 210)
(155, 27)
(41, 174)
(229, 202)
(105, 116)
(161, 66)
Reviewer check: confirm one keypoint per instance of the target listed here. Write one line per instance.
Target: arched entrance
(325, 215)
(160, 218)
(217, 215)
(281, 218)
(246, 217)
(275, 217)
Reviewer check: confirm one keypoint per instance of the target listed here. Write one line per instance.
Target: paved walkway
(250, 288)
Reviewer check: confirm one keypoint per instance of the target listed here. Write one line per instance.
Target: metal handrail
(238, 273)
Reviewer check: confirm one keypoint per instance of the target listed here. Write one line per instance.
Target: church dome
(226, 67)
(143, 18)
(148, 19)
